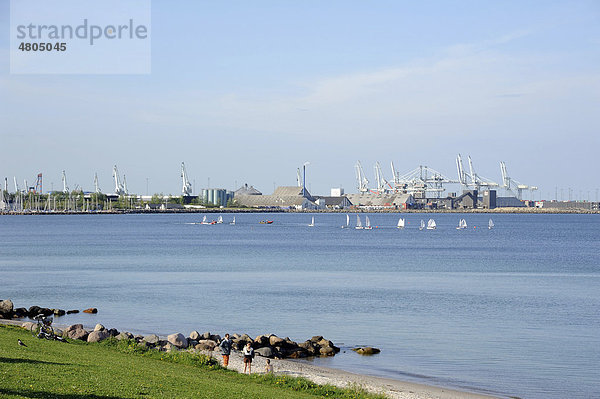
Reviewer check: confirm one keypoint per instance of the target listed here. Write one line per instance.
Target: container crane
(186, 189)
(363, 182)
(119, 188)
(509, 184)
(472, 179)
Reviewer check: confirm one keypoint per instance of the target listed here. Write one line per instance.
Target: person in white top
(248, 353)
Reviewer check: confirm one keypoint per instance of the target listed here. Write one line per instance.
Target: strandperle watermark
(80, 36)
(84, 31)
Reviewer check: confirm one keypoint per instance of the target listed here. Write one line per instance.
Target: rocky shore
(286, 354)
(266, 345)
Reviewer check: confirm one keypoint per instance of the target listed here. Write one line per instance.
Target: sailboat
(400, 223)
(220, 220)
(462, 224)
(312, 223)
(233, 221)
(359, 225)
(490, 224)
(431, 224)
(367, 223)
(347, 222)
(422, 225)
(204, 220)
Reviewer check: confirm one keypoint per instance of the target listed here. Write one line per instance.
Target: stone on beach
(76, 331)
(6, 309)
(124, 335)
(29, 326)
(195, 335)
(72, 311)
(99, 327)
(274, 340)
(206, 344)
(152, 339)
(97, 336)
(178, 340)
(91, 310)
(366, 350)
(265, 351)
(58, 312)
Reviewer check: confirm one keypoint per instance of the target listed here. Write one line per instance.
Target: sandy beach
(322, 375)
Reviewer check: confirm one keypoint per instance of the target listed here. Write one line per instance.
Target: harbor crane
(120, 188)
(64, 182)
(186, 189)
(382, 184)
(471, 179)
(363, 182)
(510, 184)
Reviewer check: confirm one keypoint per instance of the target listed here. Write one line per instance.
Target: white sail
(462, 224)
(422, 225)
(490, 224)
(220, 220)
(204, 220)
(431, 224)
(367, 223)
(312, 223)
(347, 220)
(358, 223)
(233, 221)
(400, 223)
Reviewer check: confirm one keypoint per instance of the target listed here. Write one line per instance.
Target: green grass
(120, 369)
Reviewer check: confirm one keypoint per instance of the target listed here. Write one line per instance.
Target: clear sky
(247, 91)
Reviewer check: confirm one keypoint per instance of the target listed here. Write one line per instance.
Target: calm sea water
(510, 311)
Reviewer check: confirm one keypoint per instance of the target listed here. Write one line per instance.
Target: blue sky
(246, 92)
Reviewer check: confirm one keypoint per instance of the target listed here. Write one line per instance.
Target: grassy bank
(120, 369)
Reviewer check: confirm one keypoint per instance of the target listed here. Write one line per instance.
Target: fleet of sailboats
(430, 225)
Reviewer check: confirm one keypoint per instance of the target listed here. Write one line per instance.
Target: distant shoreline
(532, 211)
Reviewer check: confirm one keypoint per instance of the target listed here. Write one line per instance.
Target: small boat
(347, 222)
(233, 221)
(400, 223)
(359, 225)
(220, 220)
(422, 225)
(312, 223)
(490, 224)
(462, 224)
(204, 221)
(431, 224)
(266, 222)
(367, 223)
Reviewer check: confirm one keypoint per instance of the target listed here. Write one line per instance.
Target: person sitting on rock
(225, 346)
(248, 353)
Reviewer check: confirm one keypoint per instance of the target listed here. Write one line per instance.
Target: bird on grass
(21, 343)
